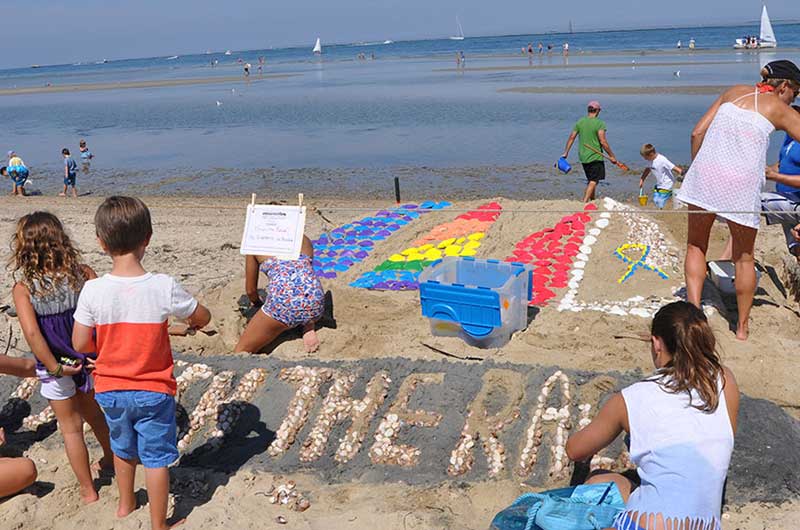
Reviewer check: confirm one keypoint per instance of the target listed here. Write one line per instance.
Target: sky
(51, 32)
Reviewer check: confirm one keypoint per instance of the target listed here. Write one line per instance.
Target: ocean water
(338, 126)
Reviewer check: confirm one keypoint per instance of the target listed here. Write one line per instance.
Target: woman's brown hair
(42, 254)
(695, 364)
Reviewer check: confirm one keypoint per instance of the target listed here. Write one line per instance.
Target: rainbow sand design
(553, 251)
(343, 247)
(460, 237)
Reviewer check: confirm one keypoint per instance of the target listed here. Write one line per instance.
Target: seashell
(281, 520)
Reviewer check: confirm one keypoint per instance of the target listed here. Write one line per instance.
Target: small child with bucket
(663, 169)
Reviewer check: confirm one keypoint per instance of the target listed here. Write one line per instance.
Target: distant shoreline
(84, 87)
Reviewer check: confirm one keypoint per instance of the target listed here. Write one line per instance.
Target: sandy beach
(367, 333)
(162, 83)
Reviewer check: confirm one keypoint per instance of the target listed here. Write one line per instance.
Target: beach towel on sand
(585, 507)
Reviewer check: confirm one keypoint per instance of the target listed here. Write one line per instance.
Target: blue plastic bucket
(563, 165)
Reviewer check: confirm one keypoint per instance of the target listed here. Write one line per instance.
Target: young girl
(49, 278)
(294, 298)
(681, 422)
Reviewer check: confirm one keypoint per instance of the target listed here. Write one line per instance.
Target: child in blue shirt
(70, 174)
(86, 156)
(18, 176)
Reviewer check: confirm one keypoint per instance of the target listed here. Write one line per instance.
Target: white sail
(318, 47)
(460, 35)
(767, 38)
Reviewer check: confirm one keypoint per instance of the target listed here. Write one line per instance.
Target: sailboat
(318, 47)
(460, 35)
(766, 38)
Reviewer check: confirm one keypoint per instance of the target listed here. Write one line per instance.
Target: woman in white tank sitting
(681, 422)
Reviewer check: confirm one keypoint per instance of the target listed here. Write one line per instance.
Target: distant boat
(571, 30)
(35, 66)
(766, 38)
(172, 58)
(460, 35)
(228, 52)
(318, 47)
(387, 41)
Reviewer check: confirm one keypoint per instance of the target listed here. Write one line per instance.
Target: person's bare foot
(89, 495)
(124, 510)
(62, 194)
(742, 332)
(310, 339)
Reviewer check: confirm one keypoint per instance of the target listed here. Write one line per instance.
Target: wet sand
(53, 89)
(688, 90)
(567, 66)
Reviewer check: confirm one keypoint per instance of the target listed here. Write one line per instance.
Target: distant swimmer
(530, 49)
(261, 62)
(566, 48)
(247, 69)
(458, 60)
(691, 44)
(680, 45)
(541, 48)
(463, 60)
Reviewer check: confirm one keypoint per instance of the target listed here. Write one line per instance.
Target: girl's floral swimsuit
(294, 294)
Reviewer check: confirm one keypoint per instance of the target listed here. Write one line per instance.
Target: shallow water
(341, 126)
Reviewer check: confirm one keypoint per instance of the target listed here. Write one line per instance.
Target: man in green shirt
(591, 133)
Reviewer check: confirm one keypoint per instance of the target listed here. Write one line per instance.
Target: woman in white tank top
(681, 422)
(729, 149)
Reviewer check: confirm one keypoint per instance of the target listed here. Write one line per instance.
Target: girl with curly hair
(49, 276)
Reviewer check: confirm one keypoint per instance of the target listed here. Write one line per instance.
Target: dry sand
(196, 240)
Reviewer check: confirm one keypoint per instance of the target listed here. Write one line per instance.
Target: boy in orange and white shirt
(129, 309)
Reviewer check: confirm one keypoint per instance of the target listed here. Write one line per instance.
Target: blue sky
(50, 32)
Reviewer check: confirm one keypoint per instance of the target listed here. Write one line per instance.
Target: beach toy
(487, 299)
(642, 197)
(619, 164)
(563, 165)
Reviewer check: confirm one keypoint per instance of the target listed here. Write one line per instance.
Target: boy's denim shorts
(142, 426)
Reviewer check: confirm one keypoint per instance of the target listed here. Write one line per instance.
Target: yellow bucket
(643, 200)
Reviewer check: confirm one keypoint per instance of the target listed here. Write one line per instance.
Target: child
(294, 298)
(86, 156)
(681, 422)
(49, 278)
(663, 169)
(129, 309)
(70, 174)
(18, 176)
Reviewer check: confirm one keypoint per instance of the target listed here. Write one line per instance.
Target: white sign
(274, 230)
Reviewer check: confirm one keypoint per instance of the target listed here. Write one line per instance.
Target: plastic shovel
(619, 164)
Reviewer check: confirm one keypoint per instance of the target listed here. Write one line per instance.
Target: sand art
(640, 262)
(641, 229)
(341, 248)
(460, 237)
(553, 251)
(420, 422)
